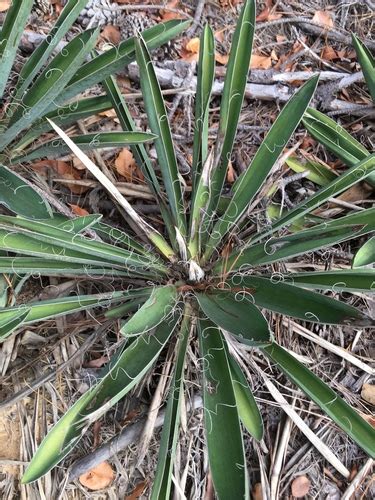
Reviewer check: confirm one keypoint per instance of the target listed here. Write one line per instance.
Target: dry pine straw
(49, 345)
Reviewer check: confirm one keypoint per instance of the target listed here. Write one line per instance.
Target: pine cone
(99, 13)
(131, 23)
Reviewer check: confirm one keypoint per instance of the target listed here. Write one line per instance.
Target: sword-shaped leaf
(334, 137)
(236, 314)
(49, 84)
(12, 321)
(10, 36)
(296, 302)
(223, 432)
(246, 405)
(248, 184)
(159, 125)
(367, 62)
(51, 267)
(114, 60)
(139, 152)
(46, 309)
(156, 309)
(163, 477)
(19, 197)
(205, 78)
(278, 249)
(366, 254)
(352, 176)
(57, 147)
(233, 94)
(40, 55)
(64, 116)
(343, 280)
(328, 400)
(124, 372)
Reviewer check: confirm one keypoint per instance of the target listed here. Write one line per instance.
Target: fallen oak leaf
(98, 478)
(4, 5)
(260, 62)
(77, 210)
(323, 17)
(300, 486)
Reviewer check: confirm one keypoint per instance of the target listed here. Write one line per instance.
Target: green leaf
(128, 125)
(140, 154)
(335, 138)
(41, 232)
(233, 94)
(46, 309)
(57, 147)
(343, 280)
(334, 406)
(367, 62)
(124, 372)
(278, 249)
(247, 408)
(294, 301)
(138, 298)
(51, 267)
(205, 79)
(352, 176)
(163, 477)
(318, 172)
(248, 184)
(236, 314)
(63, 116)
(223, 432)
(366, 254)
(156, 309)
(19, 197)
(12, 321)
(10, 36)
(49, 84)
(114, 60)
(40, 55)
(159, 125)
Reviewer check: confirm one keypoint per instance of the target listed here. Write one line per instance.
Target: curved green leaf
(344, 280)
(87, 142)
(163, 477)
(367, 62)
(156, 309)
(10, 36)
(247, 408)
(278, 249)
(366, 254)
(233, 94)
(205, 79)
(49, 84)
(294, 301)
(223, 432)
(123, 373)
(248, 184)
(12, 321)
(335, 407)
(352, 176)
(114, 60)
(334, 137)
(40, 55)
(236, 314)
(159, 125)
(19, 197)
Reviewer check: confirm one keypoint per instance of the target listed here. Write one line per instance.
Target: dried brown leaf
(300, 486)
(99, 477)
(368, 393)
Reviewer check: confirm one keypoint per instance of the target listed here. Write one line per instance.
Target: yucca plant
(198, 281)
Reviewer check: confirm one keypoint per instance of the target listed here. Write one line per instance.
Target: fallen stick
(128, 436)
